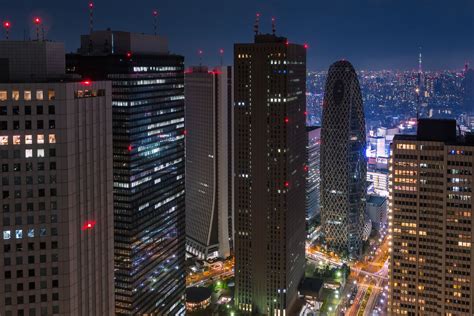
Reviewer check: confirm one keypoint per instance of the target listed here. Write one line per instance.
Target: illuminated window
(40, 139)
(39, 94)
(28, 139)
(3, 140)
(51, 94)
(40, 153)
(31, 233)
(16, 95)
(3, 95)
(19, 234)
(52, 138)
(27, 95)
(28, 153)
(16, 140)
(7, 234)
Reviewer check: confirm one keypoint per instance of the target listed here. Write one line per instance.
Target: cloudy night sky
(373, 34)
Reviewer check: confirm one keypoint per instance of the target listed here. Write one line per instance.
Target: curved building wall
(343, 164)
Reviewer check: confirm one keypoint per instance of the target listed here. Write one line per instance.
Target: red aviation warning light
(37, 20)
(287, 120)
(130, 147)
(129, 55)
(287, 184)
(86, 82)
(6, 26)
(306, 46)
(88, 225)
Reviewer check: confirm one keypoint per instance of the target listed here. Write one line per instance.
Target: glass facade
(148, 139)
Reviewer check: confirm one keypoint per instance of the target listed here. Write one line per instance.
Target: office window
(39, 124)
(3, 140)
(40, 153)
(39, 94)
(40, 139)
(39, 109)
(27, 95)
(28, 139)
(51, 109)
(16, 140)
(15, 95)
(51, 94)
(52, 138)
(27, 109)
(28, 153)
(3, 95)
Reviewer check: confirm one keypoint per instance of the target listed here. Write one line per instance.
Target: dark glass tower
(270, 162)
(148, 148)
(343, 164)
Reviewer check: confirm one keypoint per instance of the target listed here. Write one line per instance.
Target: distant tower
(343, 164)
(419, 85)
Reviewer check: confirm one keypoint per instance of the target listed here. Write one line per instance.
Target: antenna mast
(256, 25)
(91, 17)
(37, 22)
(273, 26)
(155, 20)
(221, 52)
(7, 26)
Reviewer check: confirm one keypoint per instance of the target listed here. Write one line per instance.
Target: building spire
(155, 21)
(273, 26)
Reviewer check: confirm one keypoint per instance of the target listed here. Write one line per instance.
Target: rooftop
(438, 130)
(197, 294)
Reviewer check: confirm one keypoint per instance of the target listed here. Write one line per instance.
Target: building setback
(56, 242)
(343, 163)
(148, 148)
(431, 222)
(209, 218)
(270, 162)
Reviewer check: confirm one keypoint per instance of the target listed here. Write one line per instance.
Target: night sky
(373, 34)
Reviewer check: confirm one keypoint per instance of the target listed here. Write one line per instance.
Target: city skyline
(381, 38)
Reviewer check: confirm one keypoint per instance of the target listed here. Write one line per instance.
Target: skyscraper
(270, 162)
(209, 223)
(468, 91)
(148, 147)
(56, 239)
(343, 163)
(430, 222)
(313, 177)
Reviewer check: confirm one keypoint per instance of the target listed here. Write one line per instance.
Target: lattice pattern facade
(343, 164)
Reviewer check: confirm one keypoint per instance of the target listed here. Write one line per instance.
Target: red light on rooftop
(37, 20)
(287, 184)
(287, 42)
(155, 13)
(86, 82)
(306, 46)
(7, 24)
(287, 120)
(88, 225)
(221, 51)
(91, 5)
(129, 54)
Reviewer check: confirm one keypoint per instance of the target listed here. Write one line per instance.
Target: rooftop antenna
(466, 67)
(42, 32)
(257, 22)
(221, 53)
(37, 22)
(273, 26)
(155, 20)
(91, 17)
(200, 52)
(6, 26)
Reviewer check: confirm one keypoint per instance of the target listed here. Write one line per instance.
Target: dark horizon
(372, 34)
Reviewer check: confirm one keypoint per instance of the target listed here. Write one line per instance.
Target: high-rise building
(431, 222)
(468, 91)
(343, 163)
(148, 153)
(209, 218)
(270, 162)
(313, 176)
(56, 239)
